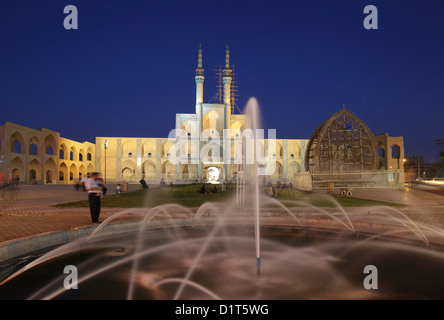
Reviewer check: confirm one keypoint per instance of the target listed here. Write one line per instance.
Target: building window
(33, 149)
(17, 147)
(381, 153)
(396, 152)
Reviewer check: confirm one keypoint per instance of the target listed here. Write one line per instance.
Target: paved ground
(423, 203)
(28, 210)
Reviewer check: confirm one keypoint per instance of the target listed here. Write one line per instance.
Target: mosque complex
(341, 146)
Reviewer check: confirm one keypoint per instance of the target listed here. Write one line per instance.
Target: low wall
(23, 246)
(359, 179)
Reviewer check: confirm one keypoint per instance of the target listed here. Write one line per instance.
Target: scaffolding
(219, 96)
(234, 89)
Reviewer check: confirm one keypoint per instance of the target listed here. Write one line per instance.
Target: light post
(106, 147)
(419, 169)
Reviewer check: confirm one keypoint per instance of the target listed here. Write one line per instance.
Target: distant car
(435, 181)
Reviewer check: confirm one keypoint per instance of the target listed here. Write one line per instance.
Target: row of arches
(212, 124)
(69, 175)
(50, 172)
(148, 149)
(168, 149)
(384, 161)
(74, 154)
(17, 145)
(149, 170)
(395, 152)
(190, 171)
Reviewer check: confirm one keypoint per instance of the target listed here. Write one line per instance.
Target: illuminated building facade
(191, 154)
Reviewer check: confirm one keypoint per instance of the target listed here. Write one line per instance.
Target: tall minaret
(199, 100)
(226, 80)
(199, 82)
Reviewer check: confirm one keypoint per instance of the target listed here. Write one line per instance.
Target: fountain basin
(319, 261)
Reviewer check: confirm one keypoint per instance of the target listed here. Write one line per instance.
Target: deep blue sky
(131, 64)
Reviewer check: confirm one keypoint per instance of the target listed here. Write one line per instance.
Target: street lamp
(419, 167)
(106, 147)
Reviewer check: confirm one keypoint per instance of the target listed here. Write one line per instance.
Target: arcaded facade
(42, 156)
(343, 143)
(133, 159)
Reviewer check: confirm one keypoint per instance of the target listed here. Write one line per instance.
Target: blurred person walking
(94, 189)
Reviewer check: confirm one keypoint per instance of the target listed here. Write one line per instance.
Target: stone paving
(422, 203)
(28, 211)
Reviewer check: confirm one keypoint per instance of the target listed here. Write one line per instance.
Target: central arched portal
(213, 174)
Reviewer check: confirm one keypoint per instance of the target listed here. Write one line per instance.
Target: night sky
(130, 66)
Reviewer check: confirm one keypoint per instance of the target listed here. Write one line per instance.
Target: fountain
(252, 112)
(301, 252)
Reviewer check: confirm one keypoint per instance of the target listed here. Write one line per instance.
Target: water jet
(309, 253)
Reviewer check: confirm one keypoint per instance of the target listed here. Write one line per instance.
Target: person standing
(94, 193)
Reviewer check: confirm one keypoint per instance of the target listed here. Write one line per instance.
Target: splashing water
(201, 257)
(252, 112)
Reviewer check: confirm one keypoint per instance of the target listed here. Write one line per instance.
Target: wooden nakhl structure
(342, 143)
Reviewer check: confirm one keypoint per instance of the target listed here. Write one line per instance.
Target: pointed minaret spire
(199, 59)
(199, 70)
(199, 78)
(227, 58)
(226, 80)
(227, 70)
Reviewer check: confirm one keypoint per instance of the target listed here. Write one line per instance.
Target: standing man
(94, 193)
